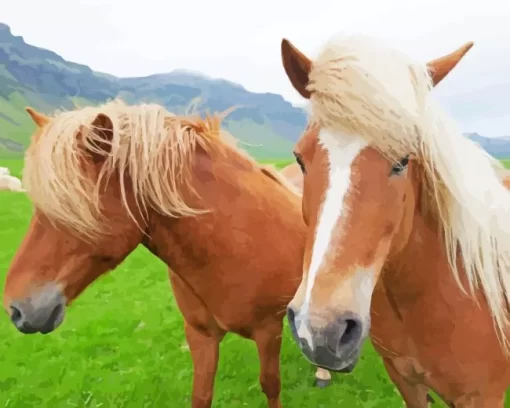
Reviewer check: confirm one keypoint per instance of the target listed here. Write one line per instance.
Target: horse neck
(249, 215)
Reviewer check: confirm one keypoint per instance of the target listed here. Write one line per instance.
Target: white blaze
(341, 150)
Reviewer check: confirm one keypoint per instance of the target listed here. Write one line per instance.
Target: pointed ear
(297, 66)
(441, 67)
(40, 119)
(97, 138)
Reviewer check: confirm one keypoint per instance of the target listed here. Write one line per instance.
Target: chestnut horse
(105, 179)
(293, 174)
(408, 228)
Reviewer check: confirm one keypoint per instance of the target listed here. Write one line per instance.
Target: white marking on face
(341, 150)
(355, 293)
(303, 331)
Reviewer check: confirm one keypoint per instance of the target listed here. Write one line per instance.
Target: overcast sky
(240, 40)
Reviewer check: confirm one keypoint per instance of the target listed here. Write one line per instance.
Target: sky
(240, 41)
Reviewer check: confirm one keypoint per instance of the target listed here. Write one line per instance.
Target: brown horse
(293, 174)
(106, 179)
(408, 228)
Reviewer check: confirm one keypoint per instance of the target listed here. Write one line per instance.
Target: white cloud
(240, 40)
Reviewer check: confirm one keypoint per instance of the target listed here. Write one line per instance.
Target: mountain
(482, 108)
(267, 124)
(498, 147)
(32, 76)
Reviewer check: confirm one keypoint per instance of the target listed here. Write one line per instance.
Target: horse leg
(269, 341)
(414, 395)
(204, 348)
(203, 337)
(322, 377)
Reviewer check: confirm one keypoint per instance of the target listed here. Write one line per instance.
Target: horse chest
(387, 327)
(411, 369)
(393, 343)
(437, 340)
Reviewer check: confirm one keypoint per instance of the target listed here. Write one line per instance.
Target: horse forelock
(151, 146)
(360, 88)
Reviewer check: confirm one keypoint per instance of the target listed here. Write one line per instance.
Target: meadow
(122, 346)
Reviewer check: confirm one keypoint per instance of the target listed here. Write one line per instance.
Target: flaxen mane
(361, 88)
(152, 145)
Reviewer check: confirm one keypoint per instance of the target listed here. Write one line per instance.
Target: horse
(9, 182)
(105, 179)
(408, 227)
(293, 174)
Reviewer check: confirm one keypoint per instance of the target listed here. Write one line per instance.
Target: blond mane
(151, 145)
(360, 87)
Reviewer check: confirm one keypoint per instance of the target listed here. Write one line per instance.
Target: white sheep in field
(8, 182)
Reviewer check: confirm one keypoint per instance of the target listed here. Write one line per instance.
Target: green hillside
(31, 76)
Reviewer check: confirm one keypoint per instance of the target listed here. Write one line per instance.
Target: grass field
(122, 345)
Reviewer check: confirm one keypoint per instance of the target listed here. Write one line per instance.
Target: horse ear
(99, 141)
(40, 119)
(297, 66)
(441, 67)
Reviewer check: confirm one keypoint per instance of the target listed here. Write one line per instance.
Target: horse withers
(408, 228)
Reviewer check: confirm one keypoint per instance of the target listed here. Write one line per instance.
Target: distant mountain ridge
(499, 147)
(267, 123)
(37, 77)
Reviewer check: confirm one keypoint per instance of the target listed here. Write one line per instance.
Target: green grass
(278, 163)
(506, 163)
(122, 345)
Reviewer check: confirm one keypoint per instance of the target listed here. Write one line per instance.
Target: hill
(37, 77)
(267, 124)
(498, 147)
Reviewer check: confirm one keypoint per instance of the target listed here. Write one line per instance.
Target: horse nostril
(352, 332)
(16, 315)
(52, 320)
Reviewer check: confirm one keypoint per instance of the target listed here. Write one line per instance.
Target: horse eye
(299, 161)
(398, 168)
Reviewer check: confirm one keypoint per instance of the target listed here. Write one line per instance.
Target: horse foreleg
(414, 395)
(269, 341)
(204, 348)
(322, 377)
